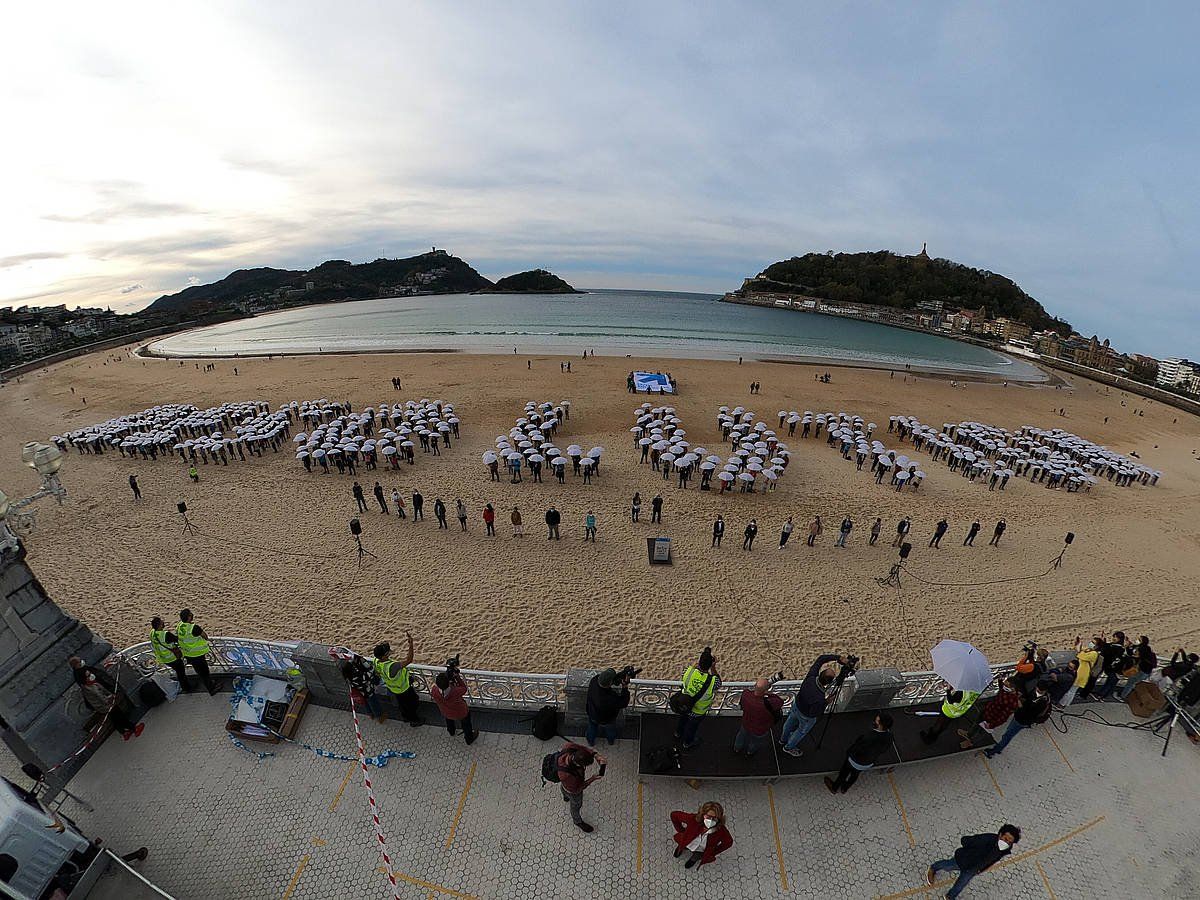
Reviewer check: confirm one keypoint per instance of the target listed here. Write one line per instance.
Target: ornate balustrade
(518, 690)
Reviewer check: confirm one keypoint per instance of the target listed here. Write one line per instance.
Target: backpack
(545, 724)
(662, 760)
(550, 768)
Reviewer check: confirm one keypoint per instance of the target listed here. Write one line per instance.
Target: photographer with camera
(762, 710)
(810, 701)
(695, 697)
(1032, 665)
(608, 694)
(449, 692)
(570, 771)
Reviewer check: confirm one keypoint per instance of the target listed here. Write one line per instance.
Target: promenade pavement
(1100, 809)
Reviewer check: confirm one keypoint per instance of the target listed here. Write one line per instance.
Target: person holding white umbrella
(968, 674)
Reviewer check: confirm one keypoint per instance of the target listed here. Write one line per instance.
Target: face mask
(710, 823)
(1003, 845)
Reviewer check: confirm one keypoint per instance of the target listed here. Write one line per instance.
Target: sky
(666, 145)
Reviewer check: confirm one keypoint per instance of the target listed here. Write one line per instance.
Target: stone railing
(519, 690)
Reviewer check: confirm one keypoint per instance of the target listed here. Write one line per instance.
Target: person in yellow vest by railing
(166, 650)
(193, 644)
(396, 679)
(695, 697)
(954, 707)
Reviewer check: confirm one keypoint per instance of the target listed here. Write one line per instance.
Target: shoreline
(144, 351)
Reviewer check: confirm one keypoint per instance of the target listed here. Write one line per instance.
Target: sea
(643, 324)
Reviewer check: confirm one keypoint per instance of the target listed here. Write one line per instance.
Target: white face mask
(1003, 845)
(710, 823)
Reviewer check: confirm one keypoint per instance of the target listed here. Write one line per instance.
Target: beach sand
(275, 558)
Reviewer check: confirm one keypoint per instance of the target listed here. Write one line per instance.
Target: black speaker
(1070, 538)
(181, 506)
(355, 527)
(905, 549)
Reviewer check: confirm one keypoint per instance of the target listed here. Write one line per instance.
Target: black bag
(682, 703)
(776, 714)
(662, 760)
(550, 768)
(545, 724)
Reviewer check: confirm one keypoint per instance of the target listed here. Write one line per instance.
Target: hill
(884, 278)
(535, 281)
(436, 272)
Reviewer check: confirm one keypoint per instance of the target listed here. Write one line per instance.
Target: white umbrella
(725, 476)
(489, 457)
(707, 466)
(961, 666)
(537, 458)
(559, 461)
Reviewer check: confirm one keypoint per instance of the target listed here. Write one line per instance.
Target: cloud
(193, 280)
(130, 288)
(22, 258)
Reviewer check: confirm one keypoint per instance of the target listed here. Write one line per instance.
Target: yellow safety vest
(955, 710)
(190, 645)
(693, 681)
(163, 652)
(395, 682)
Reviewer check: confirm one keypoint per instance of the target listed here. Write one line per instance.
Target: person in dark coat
(978, 853)
(359, 498)
(439, 513)
(607, 696)
(418, 506)
(553, 518)
(702, 835)
(938, 534)
(718, 531)
(863, 754)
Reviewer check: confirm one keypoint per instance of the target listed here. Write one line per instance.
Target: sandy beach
(275, 559)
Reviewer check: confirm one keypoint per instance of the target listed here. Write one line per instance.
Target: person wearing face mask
(977, 853)
(702, 835)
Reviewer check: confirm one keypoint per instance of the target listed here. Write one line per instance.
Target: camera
(851, 663)
(452, 664)
(627, 673)
(1030, 647)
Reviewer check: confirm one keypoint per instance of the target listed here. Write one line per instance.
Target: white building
(1176, 372)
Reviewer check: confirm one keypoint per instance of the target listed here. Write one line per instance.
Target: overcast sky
(685, 146)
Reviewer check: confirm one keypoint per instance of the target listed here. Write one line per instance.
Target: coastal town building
(1178, 373)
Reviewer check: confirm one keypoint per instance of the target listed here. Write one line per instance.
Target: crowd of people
(534, 447)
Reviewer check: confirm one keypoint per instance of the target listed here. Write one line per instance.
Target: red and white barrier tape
(94, 736)
(347, 655)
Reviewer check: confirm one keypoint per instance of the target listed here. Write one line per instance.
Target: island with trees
(535, 281)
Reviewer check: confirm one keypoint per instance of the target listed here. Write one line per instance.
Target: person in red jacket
(489, 519)
(701, 834)
(450, 694)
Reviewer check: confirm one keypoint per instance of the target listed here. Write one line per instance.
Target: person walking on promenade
(786, 532)
(762, 710)
(844, 532)
(1146, 662)
(635, 510)
(133, 486)
(193, 644)
(863, 754)
(571, 763)
(378, 491)
(718, 530)
(360, 674)
(875, 530)
(518, 527)
(396, 679)
(977, 853)
(903, 527)
(553, 517)
(809, 703)
(449, 692)
(938, 533)
(997, 533)
(700, 684)
(589, 527)
(748, 535)
(702, 834)
(439, 513)
(460, 510)
(489, 520)
(359, 498)
(607, 695)
(1034, 709)
(398, 502)
(166, 650)
(814, 531)
(974, 530)
(656, 509)
(418, 507)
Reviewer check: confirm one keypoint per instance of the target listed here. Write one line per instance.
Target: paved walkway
(1101, 812)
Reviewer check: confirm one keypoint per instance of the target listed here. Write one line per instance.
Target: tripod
(188, 527)
(831, 698)
(362, 551)
(1058, 560)
(893, 577)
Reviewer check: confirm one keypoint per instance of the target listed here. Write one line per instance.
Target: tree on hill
(884, 278)
(535, 281)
